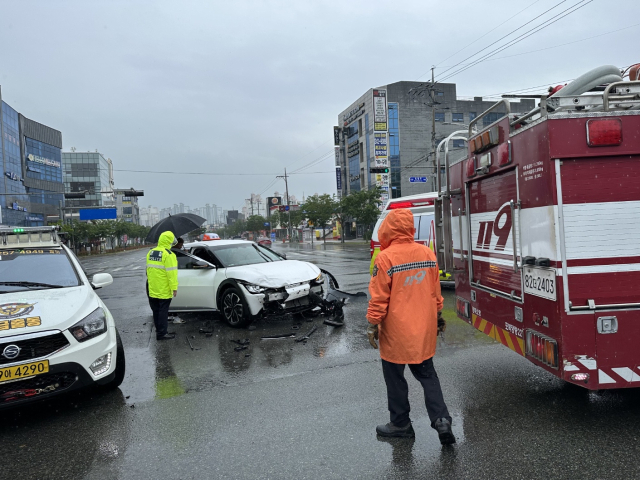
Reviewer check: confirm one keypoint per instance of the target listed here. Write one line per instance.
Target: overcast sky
(239, 87)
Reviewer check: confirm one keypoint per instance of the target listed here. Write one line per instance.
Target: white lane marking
(116, 269)
(136, 268)
(604, 378)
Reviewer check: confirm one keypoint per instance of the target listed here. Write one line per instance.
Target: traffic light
(379, 170)
(74, 195)
(133, 193)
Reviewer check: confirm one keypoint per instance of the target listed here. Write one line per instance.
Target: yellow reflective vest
(162, 268)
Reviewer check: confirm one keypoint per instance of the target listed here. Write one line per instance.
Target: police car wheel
(234, 310)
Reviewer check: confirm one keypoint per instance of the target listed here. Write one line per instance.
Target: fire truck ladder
(444, 236)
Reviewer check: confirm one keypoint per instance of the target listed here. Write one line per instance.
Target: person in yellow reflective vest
(162, 282)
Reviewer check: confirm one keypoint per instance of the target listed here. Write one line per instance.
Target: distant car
(56, 334)
(264, 241)
(244, 281)
(210, 236)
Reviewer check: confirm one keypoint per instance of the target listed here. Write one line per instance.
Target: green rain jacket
(162, 268)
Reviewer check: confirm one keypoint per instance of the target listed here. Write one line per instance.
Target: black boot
(166, 336)
(390, 430)
(443, 426)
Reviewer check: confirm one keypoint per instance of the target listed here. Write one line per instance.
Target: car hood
(57, 309)
(275, 274)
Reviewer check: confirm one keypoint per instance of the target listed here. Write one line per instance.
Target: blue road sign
(273, 235)
(418, 179)
(266, 224)
(98, 214)
(286, 208)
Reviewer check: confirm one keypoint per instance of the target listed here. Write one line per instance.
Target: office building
(127, 206)
(32, 186)
(89, 172)
(391, 126)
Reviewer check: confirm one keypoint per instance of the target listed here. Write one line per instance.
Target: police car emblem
(11, 351)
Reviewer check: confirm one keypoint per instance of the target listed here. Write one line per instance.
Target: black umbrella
(178, 224)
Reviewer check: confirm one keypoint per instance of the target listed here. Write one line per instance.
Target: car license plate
(18, 372)
(540, 282)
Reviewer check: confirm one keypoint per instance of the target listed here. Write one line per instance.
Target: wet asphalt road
(296, 411)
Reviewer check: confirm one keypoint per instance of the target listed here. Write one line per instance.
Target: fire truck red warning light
(605, 132)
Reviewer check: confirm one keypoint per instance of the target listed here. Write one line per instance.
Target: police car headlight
(90, 326)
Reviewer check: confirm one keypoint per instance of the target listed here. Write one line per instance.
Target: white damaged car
(244, 281)
(56, 335)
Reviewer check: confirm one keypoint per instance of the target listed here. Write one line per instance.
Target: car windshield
(243, 254)
(30, 269)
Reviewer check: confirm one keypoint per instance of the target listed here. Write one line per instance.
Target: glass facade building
(88, 172)
(31, 185)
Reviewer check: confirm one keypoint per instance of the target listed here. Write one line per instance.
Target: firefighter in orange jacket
(405, 315)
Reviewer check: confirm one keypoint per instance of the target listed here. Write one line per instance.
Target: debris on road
(207, 329)
(278, 336)
(242, 342)
(191, 345)
(239, 349)
(307, 335)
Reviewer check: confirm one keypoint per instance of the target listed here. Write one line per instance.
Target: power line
(562, 44)
(523, 36)
(206, 173)
(481, 37)
(505, 36)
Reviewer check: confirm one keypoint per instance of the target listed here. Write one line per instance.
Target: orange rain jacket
(405, 293)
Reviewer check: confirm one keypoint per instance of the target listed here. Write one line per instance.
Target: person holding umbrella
(162, 278)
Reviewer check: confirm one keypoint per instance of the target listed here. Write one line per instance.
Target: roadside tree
(319, 209)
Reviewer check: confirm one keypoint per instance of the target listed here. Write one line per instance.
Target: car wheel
(234, 309)
(120, 366)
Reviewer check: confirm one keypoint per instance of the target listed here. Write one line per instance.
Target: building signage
(274, 203)
(34, 218)
(379, 110)
(353, 114)
(418, 179)
(382, 180)
(354, 178)
(44, 161)
(337, 153)
(353, 150)
(380, 149)
(13, 176)
(339, 178)
(15, 206)
(336, 135)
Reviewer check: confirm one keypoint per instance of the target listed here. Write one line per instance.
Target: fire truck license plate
(540, 282)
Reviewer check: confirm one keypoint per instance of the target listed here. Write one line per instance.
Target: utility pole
(250, 200)
(433, 126)
(286, 187)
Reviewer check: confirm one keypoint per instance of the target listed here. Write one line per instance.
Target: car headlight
(90, 326)
(251, 288)
(319, 279)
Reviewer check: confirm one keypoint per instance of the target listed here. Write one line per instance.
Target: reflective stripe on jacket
(162, 268)
(405, 293)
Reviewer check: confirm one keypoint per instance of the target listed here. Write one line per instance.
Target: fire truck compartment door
(493, 222)
(601, 220)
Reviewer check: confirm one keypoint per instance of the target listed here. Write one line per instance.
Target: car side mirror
(201, 264)
(101, 280)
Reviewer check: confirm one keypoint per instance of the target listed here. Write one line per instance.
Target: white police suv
(56, 335)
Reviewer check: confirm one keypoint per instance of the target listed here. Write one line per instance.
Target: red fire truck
(544, 219)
